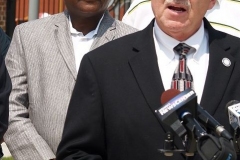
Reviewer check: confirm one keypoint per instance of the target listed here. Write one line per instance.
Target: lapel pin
(226, 62)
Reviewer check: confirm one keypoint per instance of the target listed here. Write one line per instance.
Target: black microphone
(209, 122)
(202, 115)
(179, 112)
(181, 106)
(184, 107)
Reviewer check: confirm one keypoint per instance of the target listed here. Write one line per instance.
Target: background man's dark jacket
(4, 43)
(5, 86)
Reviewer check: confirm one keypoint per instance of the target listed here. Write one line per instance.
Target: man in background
(43, 60)
(5, 86)
(4, 42)
(224, 16)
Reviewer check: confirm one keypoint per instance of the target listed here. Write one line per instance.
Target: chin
(91, 11)
(175, 26)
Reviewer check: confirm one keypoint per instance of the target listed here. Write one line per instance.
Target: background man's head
(86, 8)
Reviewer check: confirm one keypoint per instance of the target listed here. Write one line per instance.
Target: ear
(211, 4)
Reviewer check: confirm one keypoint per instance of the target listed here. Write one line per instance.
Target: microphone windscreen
(168, 95)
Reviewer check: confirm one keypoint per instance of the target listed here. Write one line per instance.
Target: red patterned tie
(182, 78)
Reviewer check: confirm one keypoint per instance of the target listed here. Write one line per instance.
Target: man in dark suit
(5, 86)
(4, 42)
(112, 116)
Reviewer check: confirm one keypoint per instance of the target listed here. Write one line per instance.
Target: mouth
(178, 9)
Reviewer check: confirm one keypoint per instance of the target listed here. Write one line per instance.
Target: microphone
(184, 107)
(233, 111)
(181, 106)
(209, 122)
(202, 115)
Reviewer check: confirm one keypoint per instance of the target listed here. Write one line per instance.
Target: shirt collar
(89, 35)
(169, 42)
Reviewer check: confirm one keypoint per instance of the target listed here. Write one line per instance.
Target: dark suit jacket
(5, 89)
(4, 43)
(5, 85)
(111, 113)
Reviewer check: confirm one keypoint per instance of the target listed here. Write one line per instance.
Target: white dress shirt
(82, 43)
(197, 60)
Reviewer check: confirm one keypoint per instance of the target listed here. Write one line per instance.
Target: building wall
(46, 7)
(3, 14)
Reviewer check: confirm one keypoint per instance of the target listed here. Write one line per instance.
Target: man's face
(86, 8)
(180, 18)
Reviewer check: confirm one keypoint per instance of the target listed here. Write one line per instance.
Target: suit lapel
(146, 71)
(64, 42)
(145, 68)
(105, 31)
(218, 74)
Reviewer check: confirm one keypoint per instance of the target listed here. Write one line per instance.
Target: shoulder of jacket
(42, 21)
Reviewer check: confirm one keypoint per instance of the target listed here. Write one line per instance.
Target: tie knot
(182, 48)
